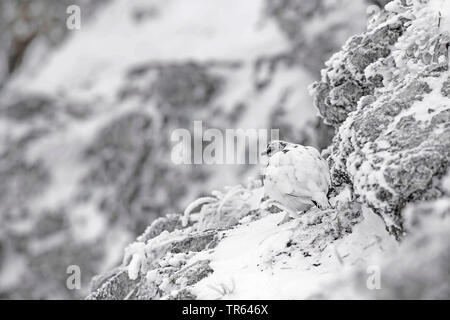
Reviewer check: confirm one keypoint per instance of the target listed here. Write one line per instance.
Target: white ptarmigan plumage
(297, 177)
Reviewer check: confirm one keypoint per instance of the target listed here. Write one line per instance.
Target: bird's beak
(264, 153)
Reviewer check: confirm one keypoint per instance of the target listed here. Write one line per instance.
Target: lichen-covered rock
(157, 266)
(386, 93)
(114, 286)
(344, 80)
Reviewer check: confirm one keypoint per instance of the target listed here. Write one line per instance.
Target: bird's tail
(322, 201)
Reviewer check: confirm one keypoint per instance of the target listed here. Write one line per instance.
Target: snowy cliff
(387, 93)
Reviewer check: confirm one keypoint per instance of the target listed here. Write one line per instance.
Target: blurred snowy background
(86, 115)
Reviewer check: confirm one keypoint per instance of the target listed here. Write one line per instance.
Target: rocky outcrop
(386, 93)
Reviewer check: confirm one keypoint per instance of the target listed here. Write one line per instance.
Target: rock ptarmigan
(296, 177)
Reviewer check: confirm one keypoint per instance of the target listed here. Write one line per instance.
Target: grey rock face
(188, 84)
(116, 287)
(393, 136)
(311, 47)
(122, 160)
(28, 108)
(167, 273)
(343, 82)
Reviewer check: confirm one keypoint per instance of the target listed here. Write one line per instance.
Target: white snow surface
(245, 260)
(251, 260)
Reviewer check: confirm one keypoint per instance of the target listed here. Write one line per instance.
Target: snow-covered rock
(387, 94)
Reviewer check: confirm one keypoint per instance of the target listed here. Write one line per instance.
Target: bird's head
(274, 147)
